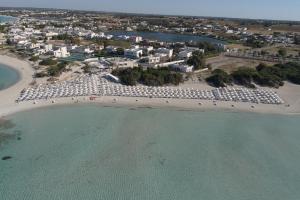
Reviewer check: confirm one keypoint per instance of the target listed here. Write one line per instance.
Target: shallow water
(92, 152)
(8, 76)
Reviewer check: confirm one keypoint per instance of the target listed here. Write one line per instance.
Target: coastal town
(149, 100)
(93, 54)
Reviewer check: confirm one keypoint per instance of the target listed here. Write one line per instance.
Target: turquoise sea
(92, 152)
(8, 76)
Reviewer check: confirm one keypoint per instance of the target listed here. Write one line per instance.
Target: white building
(163, 57)
(148, 49)
(183, 68)
(135, 47)
(38, 52)
(48, 47)
(153, 59)
(118, 62)
(22, 43)
(220, 46)
(18, 38)
(61, 53)
(82, 49)
(15, 31)
(133, 53)
(136, 39)
(88, 50)
(71, 47)
(101, 35)
(109, 37)
(2, 39)
(185, 54)
(169, 52)
(111, 49)
(34, 45)
(92, 35)
(51, 34)
(123, 37)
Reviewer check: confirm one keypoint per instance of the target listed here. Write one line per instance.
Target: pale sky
(258, 9)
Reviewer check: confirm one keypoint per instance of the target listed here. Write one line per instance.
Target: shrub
(48, 62)
(219, 78)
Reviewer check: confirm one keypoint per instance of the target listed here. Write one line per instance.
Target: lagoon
(4, 19)
(8, 76)
(94, 152)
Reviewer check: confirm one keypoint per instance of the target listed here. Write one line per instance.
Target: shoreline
(289, 93)
(136, 103)
(143, 103)
(15, 71)
(25, 72)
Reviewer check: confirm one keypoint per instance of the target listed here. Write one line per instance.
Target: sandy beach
(9, 95)
(289, 93)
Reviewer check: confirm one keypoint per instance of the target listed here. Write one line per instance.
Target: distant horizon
(237, 9)
(154, 14)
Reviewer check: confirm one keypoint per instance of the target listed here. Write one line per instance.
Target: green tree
(219, 78)
(40, 74)
(197, 60)
(150, 77)
(56, 70)
(2, 29)
(282, 52)
(263, 52)
(120, 51)
(34, 58)
(33, 40)
(244, 76)
(9, 42)
(48, 62)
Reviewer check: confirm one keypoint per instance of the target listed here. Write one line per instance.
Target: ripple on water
(90, 152)
(5, 133)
